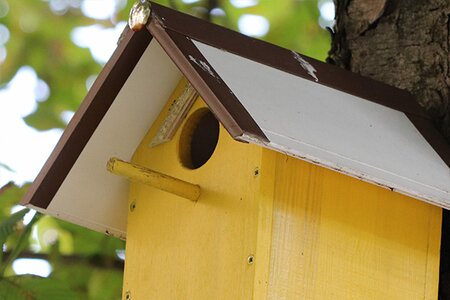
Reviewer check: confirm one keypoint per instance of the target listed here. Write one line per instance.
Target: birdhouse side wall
(336, 237)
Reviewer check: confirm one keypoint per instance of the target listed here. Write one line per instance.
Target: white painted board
(92, 197)
(334, 129)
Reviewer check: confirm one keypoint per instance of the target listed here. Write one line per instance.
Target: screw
(256, 172)
(128, 295)
(132, 206)
(250, 259)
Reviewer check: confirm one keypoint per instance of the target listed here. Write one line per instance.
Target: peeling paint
(204, 66)
(121, 37)
(355, 174)
(159, 21)
(250, 138)
(341, 169)
(177, 112)
(306, 65)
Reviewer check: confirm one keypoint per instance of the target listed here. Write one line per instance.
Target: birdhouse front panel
(183, 249)
(267, 225)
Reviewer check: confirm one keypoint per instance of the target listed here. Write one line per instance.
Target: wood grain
(311, 233)
(178, 249)
(335, 237)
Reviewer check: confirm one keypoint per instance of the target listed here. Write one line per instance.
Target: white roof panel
(334, 129)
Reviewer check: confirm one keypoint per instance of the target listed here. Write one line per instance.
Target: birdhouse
(237, 169)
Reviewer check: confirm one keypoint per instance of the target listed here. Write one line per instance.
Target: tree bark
(404, 44)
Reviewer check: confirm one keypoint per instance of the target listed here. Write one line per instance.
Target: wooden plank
(91, 197)
(335, 237)
(337, 130)
(178, 249)
(177, 112)
(265, 218)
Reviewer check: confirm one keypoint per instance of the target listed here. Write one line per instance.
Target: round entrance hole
(198, 139)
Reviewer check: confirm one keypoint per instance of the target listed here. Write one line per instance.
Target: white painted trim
(92, 197)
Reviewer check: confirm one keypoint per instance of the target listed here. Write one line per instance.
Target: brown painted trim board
(285, 60)
(174, 32)
(86, 119)
(219, 98)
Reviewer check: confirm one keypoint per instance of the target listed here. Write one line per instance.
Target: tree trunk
(404, 44)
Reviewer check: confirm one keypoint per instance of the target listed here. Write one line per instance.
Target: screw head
(132, 206)
(128, 295)
(250, 259)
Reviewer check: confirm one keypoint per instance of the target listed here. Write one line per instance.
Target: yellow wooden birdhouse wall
(236, 169)
(200, 248)
(267, 225)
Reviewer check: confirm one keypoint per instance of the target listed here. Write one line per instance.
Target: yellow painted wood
(265, 216)
(311, 233)
(177, 112)
(154, 179)
(335, 237)
(194, 250)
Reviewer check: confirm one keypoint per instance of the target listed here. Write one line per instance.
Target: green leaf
(27, 287)
(105, 285)
(42, 40)
(8, 226)
(10, 291)
(89, 242)
(21, 242)
(77, 275)
(10, 195)
(64, 241)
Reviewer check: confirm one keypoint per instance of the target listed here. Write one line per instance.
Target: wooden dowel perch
(155, 179)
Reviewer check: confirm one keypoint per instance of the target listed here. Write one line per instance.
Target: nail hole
(250, 259)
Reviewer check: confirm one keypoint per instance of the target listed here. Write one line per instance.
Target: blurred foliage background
(52, 37)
